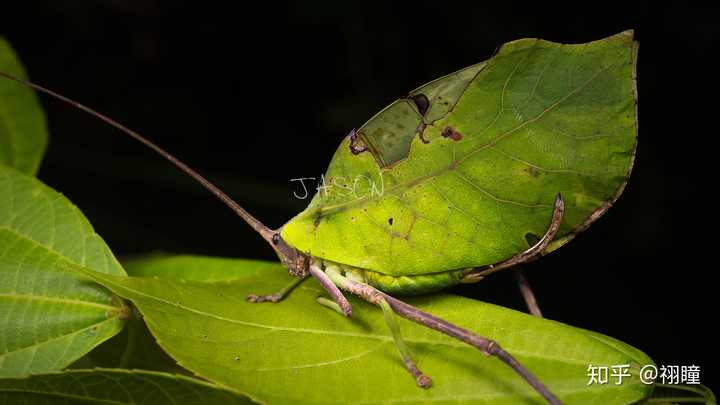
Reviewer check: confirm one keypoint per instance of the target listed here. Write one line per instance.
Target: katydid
(484, 169)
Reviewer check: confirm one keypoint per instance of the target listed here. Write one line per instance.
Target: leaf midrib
(60, 300)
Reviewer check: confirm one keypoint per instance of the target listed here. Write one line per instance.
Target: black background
(259, 94)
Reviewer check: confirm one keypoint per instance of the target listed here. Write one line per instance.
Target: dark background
(255, 96)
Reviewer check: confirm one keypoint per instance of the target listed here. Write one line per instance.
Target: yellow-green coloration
(539, 118)
(407, 285)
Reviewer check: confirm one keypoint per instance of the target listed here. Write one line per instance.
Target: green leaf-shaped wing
(49, 317)
(23, 131)
(300, 352)
(115, 386)
(464, 172)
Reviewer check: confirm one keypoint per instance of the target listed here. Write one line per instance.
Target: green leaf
(23, 131)
(682, 393)
(133, 348)
(297, 351)
(115, 386)
(49, 317)
(478, 177)
(184, 267)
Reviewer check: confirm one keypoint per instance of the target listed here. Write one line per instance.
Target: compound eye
(276, 239)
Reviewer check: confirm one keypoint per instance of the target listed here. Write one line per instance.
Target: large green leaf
(476, 180)
(115, 386)
(297, 351)
(49, 317)
(133, 348)
(23, 132)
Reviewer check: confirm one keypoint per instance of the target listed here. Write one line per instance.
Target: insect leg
(527, 292)
(532, 253)
(422, 380)
(278, 296)
(331, 288)
(330, 304)
(487, 346)
(407, 311)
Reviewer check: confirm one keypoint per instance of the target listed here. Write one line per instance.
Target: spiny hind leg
(378, 299)
(527, 292)
(485, 345)
(280, 294)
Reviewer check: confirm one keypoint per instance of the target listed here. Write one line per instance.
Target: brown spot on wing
(452, 133)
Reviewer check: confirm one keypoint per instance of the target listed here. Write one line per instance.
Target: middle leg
(422, 380)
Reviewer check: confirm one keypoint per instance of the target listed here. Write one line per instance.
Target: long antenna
(258, 226)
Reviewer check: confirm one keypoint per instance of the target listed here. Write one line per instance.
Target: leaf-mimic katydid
(489, 167)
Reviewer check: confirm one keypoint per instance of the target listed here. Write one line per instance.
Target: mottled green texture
(300, 352)
(23, 131)
(539, 118)
(49, 317)
(114, 386)
(389, 133)
(407, 285)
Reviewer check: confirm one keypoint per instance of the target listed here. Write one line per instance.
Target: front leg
(278, 296)
(314, 270)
